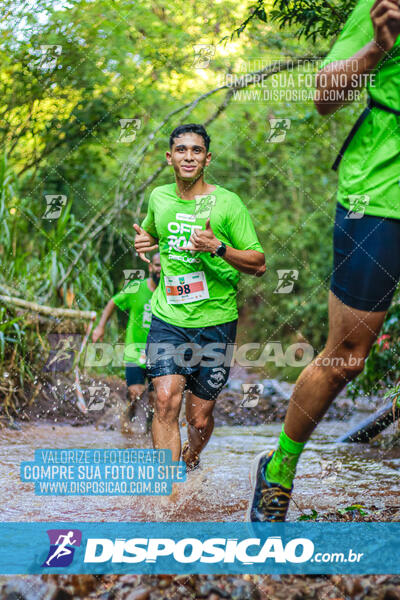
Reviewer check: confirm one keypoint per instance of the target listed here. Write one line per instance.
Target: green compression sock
(282, 468)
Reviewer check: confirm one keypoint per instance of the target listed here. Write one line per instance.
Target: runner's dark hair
(190, 128)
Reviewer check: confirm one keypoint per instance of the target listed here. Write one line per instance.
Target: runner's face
(155, 270)
(188, 156)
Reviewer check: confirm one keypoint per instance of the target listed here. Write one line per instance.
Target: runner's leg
(200, 423)
(135, 378)
(351, 335)
(151, 395)
(205, 384)
(135, 392)
(152, 399)
(168, 401)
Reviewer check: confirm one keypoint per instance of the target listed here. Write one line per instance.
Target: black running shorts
(202, 354)
(366, 260)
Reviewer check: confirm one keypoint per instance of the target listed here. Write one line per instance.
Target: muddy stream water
(330, 475)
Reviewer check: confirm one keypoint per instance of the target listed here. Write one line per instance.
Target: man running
(206, 237)
(366, 243)
(62, 550)
(135, 298)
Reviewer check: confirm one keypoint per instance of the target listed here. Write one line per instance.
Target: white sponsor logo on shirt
(185, 217)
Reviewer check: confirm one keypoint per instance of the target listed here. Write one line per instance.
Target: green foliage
(354, 508)
(60, 126)
(256, 12)
(7, 191)
(394, 395)
(311, 19)
(34, 266)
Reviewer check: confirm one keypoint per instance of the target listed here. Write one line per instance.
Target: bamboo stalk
(8, 290)
(370, 427)
(49, 310)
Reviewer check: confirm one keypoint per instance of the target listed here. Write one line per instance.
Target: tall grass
(35, 255)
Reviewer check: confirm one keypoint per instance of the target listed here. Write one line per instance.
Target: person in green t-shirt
(206, 237)
(366, 267)
(135, 299)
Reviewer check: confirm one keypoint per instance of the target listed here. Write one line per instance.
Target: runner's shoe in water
(270, 501)
(193, 464)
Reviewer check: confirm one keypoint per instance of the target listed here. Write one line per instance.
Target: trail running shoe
(192, 465)
(270, 501)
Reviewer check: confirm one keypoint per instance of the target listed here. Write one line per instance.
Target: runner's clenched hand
(385, 16)
(98, 334)
(144, 242)
(203, 240)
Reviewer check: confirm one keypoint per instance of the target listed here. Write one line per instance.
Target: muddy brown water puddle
(329, 476)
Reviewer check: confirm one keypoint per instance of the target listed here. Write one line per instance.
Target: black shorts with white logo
(202, 354)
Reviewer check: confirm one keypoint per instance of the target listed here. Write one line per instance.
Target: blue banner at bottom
(179, 548)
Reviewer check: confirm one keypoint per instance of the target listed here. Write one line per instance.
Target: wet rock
(355, 587)
(186, 580)
(245, 592)
(209, 587)
(128, 579)
(206, 589)
(165, 581)
(81, 585)
(142, 593)
(29, 588)
(392, 593)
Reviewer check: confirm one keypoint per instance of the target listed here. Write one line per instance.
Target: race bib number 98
(182, 289)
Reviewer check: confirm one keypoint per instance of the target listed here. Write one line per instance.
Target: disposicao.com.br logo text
(211, 551)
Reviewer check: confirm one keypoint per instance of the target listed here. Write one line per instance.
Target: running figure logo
(63, 350)
(203, 54)
(357, 205)
(49, 57)
(287, 277)
(251, 394)
(129, 128)
(279, 127)
(204, 205)
(55, 204)
(62, 547)
(133, 275)
(330, 470)
(98, 394)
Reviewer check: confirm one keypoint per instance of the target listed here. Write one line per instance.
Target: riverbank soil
(55, 400)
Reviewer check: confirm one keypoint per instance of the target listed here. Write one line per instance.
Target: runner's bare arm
(246, 261)
(144, 242)
(98, 332)
(351, 74)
